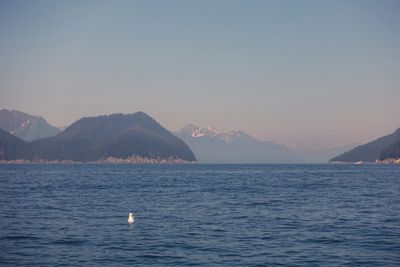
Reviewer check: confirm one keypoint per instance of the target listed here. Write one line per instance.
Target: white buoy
(131, 218)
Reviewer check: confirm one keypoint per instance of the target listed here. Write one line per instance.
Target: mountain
(25, 126)
(212, 146)
(370, 152)
(321, 154)
(12, 147)
(391, 152)
(117, 136)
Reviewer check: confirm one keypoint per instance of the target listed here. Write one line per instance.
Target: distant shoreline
(168, 161)
(386, 161)
(109, 160)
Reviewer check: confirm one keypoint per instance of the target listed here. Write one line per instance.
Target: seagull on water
(131, 218)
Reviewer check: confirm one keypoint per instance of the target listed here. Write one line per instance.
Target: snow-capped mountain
(25, 126)
(213, 146)
(227, 137)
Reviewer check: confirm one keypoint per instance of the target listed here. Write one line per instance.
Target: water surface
(200, 215)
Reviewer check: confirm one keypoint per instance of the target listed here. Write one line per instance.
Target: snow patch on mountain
(213, 146)
(25, 126)
(208, 131)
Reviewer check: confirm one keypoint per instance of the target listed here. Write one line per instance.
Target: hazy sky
(295, 72)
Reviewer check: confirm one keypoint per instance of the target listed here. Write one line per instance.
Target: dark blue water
(201, 215)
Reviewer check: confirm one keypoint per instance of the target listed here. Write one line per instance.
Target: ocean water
(200, 215)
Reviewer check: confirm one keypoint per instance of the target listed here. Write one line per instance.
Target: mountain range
(123, 136)
(383, 148)
(213, 146)
(25, 126)
(118, 136)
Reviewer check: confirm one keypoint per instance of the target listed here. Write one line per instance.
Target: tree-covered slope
(391, 152)
(97, 138)
(116, 135)
(12, 147)
(369, 152)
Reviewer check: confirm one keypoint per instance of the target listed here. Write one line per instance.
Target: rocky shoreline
(389, 161)
(386, 161)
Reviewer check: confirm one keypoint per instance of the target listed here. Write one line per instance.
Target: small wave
(18, 237)
(324, 240)
(259, 204)
(69, 242)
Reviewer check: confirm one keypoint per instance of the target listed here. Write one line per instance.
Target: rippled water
(206, 215)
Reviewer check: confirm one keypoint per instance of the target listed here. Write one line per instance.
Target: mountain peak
(211, 145)
(25, 126)
(140, 114)
(117, 136)
(211, 132)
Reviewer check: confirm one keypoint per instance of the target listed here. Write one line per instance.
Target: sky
(300, 73)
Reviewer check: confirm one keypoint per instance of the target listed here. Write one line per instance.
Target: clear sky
(295, 72)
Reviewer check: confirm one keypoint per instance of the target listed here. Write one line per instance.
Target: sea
(199, 215)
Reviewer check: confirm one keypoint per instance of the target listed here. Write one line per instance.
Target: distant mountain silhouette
(25, 126)
(116, 135)
(321, 154)
(372, 151)
(212, 146)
